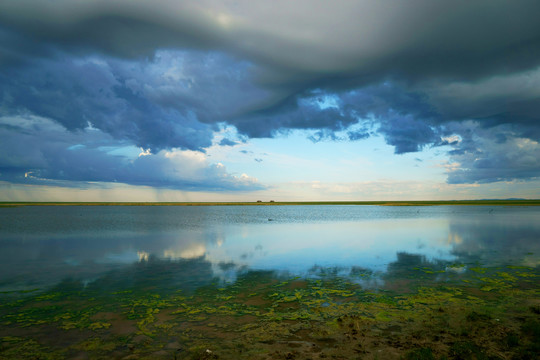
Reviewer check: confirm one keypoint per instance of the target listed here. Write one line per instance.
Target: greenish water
(283, 282)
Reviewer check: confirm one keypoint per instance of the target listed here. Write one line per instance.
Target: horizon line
(508, 202)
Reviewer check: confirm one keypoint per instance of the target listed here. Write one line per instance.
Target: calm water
(42, 246)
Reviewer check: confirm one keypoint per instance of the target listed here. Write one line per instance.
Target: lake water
(161, 250)
(40, 246)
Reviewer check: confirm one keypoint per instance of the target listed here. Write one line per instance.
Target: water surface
(40, 246)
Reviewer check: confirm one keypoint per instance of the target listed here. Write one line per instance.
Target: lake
(269, 281)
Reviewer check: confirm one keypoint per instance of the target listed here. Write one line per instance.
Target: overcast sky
(204, 100)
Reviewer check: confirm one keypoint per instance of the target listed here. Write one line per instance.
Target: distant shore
(535, 202)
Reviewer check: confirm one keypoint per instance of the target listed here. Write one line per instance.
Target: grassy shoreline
(534, 202)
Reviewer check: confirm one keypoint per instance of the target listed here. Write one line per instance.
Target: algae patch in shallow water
(262, 315)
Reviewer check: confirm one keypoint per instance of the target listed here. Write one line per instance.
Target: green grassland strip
(533, 202)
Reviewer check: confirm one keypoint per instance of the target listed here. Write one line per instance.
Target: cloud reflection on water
(304, 248)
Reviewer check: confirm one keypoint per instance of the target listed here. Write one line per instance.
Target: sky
(207, 100)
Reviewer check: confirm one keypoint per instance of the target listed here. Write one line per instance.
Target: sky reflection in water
(41, 246)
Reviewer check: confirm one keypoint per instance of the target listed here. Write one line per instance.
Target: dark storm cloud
(302, 43)
(407, 134)
(16, 49)
(414, 39)
(386, 105)
(173, 100)
(120, 28)
(482, 156)
(165, 74)
(78, 93)
(227, 142)
(506, 98)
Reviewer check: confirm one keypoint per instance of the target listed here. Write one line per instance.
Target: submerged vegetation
(423, 311)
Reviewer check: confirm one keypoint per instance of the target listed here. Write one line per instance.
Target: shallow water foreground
(316, 283)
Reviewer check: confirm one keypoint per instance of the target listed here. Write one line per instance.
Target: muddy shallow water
(283, 282)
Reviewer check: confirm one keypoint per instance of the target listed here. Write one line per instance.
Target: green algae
(12, 347)
(420, 354)
(261, 312)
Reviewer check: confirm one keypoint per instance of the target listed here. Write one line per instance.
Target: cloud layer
(39, 151)
(167, 75)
